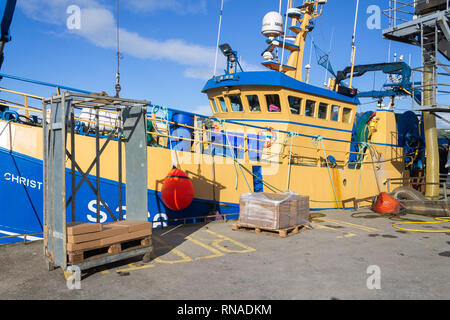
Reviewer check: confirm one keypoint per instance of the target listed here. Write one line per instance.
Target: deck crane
(6, 14)
(401, 86)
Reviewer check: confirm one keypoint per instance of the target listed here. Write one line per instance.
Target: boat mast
(354, 44)
(302, 15)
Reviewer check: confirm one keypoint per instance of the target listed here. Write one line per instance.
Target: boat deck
(211, 261)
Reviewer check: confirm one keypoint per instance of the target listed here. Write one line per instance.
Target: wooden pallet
(84, 255)
(282, 233)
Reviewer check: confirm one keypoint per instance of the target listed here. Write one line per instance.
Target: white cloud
(52, 11)
(98, 25)
(442, 124)
(203, 110)
(177, 6)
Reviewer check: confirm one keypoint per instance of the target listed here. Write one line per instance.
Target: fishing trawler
(269, 131)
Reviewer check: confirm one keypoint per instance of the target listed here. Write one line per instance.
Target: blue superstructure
(274, 78)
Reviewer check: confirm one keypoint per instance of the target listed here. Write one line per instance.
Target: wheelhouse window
(323, 110)
(213, 105)
(310, 108)
(294, 104)
(273, 103)
(346, 115)
(223, 105)
(253, 103)
(236, 103)
(334, 113)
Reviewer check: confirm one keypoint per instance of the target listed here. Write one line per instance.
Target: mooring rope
(316, 141)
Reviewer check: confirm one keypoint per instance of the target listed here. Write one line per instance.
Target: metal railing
(25, 235)
(420, 181)
(301, 150)
(401, 11)
(280, 148)
(437, 89)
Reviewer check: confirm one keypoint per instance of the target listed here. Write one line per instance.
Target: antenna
(308, 66)
(117, 86)
(328, 62)
(218, 38)
(284, 34)
(353, 44)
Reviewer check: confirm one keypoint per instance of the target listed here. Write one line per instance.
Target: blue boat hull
(21, 196)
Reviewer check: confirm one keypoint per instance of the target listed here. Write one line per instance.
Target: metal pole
(119, 141)
(218, 38)
(354, 45)
(445, 191)
(72, 152)
(97, 165)
(431, 143)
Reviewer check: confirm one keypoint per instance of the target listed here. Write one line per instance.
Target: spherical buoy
(177, 191)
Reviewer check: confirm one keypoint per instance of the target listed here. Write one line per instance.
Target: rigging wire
(284, 36)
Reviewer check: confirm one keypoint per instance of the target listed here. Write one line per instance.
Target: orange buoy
(177, 191)
(270, 136)
(386, 204)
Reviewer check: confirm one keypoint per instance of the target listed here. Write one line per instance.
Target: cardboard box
(108, 231)
(107, 241)
(75, 228)
(274, 210)
(131, 225)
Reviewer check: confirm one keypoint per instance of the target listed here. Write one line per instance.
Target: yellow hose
(438, 220)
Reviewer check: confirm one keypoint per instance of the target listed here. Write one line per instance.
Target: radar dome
(272, 25)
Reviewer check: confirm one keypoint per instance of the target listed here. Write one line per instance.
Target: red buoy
(177, 190)
(387, 204)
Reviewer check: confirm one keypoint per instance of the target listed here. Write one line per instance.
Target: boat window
(323, 110)
(310, 107)
(213, 104)
(294, 104)
(253, 102)
(223, 105)
(346, 115)
(236, 103)
(273, 102)
(334, 113)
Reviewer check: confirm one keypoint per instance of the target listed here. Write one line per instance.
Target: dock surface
(339, 258)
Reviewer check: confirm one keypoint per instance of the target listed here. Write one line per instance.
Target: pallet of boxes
(88, 242)
(279, 214)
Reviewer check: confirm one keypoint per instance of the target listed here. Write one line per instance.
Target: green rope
(222, 124)
(316, 141)
(290, 135)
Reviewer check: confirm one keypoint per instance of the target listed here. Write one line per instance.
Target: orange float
(387, 204)
(177, 191)
(271, 137)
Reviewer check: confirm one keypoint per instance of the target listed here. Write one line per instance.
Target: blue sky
(168, 46)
